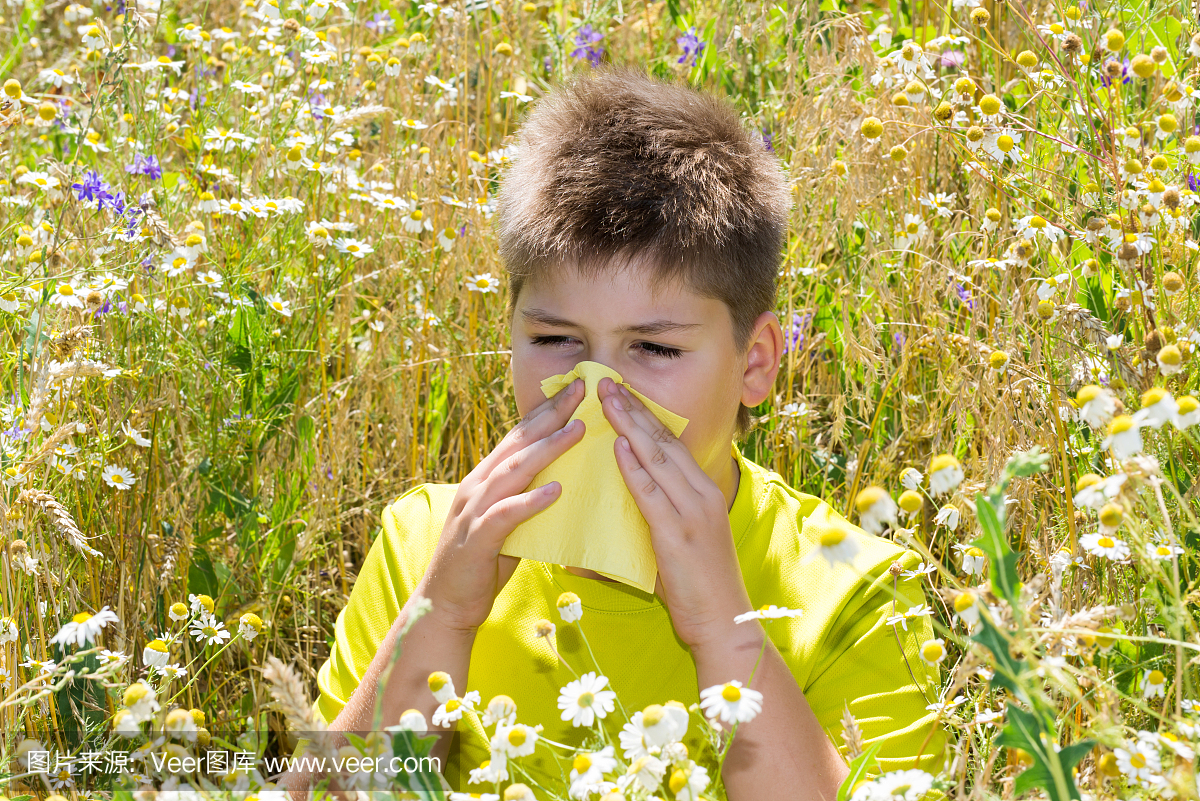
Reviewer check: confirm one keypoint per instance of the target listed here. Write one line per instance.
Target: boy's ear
(762, 359)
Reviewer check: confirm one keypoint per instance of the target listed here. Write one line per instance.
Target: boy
(642, 226)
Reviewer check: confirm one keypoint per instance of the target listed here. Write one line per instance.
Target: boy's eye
(660, 351)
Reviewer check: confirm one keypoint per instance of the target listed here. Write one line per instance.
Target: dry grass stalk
(52, 442)
(292, 699)
(60, 516)
(356, 116)
(851, 733)
(66, 343)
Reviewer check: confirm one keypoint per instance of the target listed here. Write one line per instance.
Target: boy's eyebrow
(646, 329)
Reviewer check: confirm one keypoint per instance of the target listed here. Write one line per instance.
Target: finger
(640, 415)
(545, 419)
(494, 525)
(648, 493)
(654, 450)
(516, 472)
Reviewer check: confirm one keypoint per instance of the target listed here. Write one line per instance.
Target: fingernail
(548, 489)
(571, 387)
(624, 443)
(624, 391)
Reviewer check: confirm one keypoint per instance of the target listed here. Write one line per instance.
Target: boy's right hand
(468, 571)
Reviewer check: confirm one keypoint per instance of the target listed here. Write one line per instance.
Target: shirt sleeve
(393, 567)
(875, 668)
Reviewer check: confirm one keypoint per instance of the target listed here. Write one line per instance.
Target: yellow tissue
(595, 523)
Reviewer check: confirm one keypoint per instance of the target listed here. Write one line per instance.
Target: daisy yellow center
(582, 763)
(1163, 550)
(66, 289)
(179, 263)
(652, 714)
(481, 282)
(277, 305)
(586, 699)
(731, 693)
(438, 680)
(963, 602)
(679, 780)
(418, 214)
(179, 609)
(976, 552)
(164, 59)
(912, 228)
(1105, 542)
(1138, 761)
(1121, 424)
(1037, 222)
(516, 737)
(209, 631)
(1005, 143)
(832, 537)
(1156, 677)
(352, 248)
(82, 617)
(453, 704)
(932, 650)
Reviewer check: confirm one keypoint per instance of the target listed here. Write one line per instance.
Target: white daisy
(731, 702)
(1104, 545)
(453, 709)
(85, 627)
(1152, 683)
(876, 510)
(913, 612)
(585, 699)
(517, 740)
(945, 473)
(1123, 440)
(210, 631)
(118, 477)
(355, 247)
(484, 283)
(766, 612)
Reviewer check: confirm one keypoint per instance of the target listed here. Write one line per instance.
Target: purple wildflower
(952, 59)
(116, 203)
(692, 46)
(794, 336)
(380, 23)
(585, 39)
(964, 295)
(899, 339)
(1125, 76)
(767, 136)
(1193, 182)
(92, 188)
(546, 62)
(145, 165)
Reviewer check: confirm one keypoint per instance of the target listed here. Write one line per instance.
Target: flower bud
(1143, 66)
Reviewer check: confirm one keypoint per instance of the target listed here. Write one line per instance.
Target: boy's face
(686, 362)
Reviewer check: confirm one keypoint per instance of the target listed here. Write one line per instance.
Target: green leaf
(1007, 670)
(1002, 561)
(408, 745)
(859, 767)
(1030, 733)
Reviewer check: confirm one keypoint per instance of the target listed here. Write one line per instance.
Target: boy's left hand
(699, 578)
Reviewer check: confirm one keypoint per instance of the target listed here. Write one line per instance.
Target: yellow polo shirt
(840, 650)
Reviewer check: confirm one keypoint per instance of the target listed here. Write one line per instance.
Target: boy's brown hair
(616, 166)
